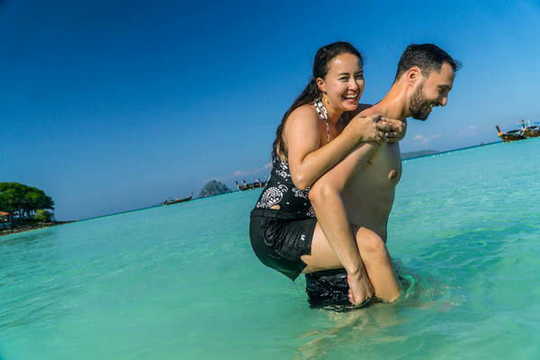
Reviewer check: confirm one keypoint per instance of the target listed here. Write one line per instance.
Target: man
(424, 78)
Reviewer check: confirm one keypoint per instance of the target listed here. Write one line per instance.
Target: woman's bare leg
(374, 256)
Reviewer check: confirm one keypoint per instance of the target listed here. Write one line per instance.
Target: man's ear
(413, 75)
(321, 84)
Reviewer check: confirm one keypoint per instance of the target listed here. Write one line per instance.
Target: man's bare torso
(369, 193)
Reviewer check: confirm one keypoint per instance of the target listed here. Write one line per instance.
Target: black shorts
(279, 243)
(329, 289)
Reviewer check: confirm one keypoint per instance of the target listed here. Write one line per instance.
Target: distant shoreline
(415, 154)
(427, 153)
(406, 156)
(25, 228)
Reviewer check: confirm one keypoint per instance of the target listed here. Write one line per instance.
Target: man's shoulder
(365, 109)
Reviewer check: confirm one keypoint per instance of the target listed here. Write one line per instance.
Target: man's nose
(443, 101)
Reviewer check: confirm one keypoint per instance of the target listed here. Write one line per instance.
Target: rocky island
(212, 188)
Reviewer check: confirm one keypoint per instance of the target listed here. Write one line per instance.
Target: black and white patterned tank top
(282, 197)
(280, 194)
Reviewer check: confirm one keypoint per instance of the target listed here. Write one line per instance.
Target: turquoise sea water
(181, 282)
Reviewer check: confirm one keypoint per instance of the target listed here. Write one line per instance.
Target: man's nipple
(393, 174)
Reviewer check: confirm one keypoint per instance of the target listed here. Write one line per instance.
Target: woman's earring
(325, 99)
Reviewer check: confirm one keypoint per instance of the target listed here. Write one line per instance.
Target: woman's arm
(308, 160)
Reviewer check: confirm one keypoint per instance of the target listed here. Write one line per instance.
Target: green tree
(43, 215)
(23, 201)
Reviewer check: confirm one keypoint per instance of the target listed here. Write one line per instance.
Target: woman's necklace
(323, 115)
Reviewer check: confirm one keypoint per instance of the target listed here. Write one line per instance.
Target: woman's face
(344, 82)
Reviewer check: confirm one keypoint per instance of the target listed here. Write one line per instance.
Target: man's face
(431, 91)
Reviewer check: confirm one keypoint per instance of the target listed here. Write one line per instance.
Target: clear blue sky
(114, 105)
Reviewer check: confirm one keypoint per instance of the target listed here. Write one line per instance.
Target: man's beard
(419, 107)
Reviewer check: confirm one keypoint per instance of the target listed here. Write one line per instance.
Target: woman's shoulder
(306, 110)
(303, 120)
(303, 116)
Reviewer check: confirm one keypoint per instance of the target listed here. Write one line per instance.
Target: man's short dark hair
(427, 57)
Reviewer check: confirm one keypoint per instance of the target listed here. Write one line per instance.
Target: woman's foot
(360, 289)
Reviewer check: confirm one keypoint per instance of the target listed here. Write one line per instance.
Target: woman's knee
(320, 192)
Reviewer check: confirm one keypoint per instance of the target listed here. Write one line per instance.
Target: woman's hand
(377, 128)
(360, 289)
(392, 130)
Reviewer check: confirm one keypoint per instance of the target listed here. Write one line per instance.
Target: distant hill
(214, 187)
(412, 154)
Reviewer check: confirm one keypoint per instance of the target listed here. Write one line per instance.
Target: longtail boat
(176, 201)
(248, 186)
(512, 135)
(529, 130)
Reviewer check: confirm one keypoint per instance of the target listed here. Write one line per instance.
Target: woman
(318, 131)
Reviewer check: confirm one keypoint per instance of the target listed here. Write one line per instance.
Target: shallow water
(181, 282)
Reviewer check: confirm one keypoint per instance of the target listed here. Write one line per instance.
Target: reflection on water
(439, 283)
(29, 270)
(32, 238)
(366, 326)
(361, 327)
(182, 282)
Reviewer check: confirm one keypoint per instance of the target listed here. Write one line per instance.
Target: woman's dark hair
(311, 92)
